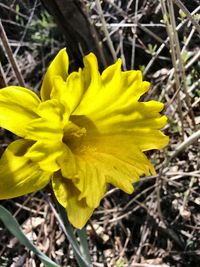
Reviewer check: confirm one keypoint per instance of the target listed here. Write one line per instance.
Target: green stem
(68, 230)
(84, 244)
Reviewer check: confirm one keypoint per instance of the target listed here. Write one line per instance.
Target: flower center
(77, 131)
(73, 135)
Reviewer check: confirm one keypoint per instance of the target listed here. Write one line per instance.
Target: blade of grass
(12, 225)
(68, 230)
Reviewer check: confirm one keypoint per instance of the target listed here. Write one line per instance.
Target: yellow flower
(87, 130)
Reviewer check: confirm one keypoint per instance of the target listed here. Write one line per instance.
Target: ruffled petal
(111, 159)
(116, 81)
(113, 91)
(139, 126)
(68, 196)
(18, 175)
(112, 150)
(110, 105)
(142, 115)
(18, 107)
(85, 173)
(58, 67)
(102, 159)
(90, 178)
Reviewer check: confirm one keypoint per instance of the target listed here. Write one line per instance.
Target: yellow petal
(18, 175)
(105, 159)
(117, 160)
(84, 173)
(68, 196)
(58, 67)
(139, 126)
(49, 127)
(69, 92)
(92, 84)
(122, 83)
(46, 154)
(91, 74)
(67, 163)
(48, 132)
(90, 178)
(115, 155)
(141, 123)
(113, 91)
(142, 115)
(17, 108)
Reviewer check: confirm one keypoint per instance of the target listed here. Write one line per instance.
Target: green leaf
(12, 225)
(82, 260)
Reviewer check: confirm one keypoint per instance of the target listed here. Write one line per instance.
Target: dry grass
(158, 225)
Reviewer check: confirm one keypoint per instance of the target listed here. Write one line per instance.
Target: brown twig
(3, 82)
(187, 13)
(109, 41)
(190, 140)
(11, 58)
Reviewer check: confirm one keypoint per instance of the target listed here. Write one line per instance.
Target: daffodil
(87, 130)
